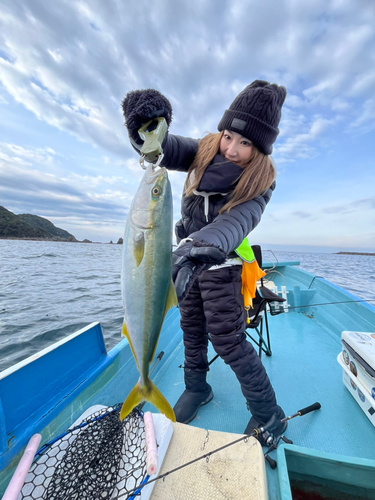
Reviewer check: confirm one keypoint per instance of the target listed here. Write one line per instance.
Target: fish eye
(156, 191)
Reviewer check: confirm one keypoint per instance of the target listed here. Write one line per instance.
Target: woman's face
(235, 148)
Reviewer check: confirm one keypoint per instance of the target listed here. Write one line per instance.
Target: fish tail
(135, 397)
(149, 393)
(156, 398)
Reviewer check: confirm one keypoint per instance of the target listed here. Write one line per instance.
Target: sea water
(49, 290)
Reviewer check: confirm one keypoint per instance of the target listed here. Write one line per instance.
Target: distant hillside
(45, 225)
(27, 226)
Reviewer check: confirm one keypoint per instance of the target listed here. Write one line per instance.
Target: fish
(146, 281)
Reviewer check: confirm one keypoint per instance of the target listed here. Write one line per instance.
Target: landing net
(101, 458)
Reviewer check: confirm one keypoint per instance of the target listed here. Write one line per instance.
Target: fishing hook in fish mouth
(154, 165)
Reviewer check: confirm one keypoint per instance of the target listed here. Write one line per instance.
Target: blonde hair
(256, 178)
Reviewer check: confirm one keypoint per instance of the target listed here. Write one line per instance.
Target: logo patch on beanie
(237, 123)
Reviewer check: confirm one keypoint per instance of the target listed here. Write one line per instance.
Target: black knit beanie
(255, 113)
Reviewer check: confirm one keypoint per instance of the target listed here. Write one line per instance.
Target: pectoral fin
(139, 247)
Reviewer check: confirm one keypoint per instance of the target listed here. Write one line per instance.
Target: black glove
(140, 106)
(189, 260)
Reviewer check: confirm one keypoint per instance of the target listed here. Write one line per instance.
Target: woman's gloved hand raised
(140, 106)
(189, 260)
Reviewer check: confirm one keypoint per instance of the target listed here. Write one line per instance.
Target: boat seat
(258, 315)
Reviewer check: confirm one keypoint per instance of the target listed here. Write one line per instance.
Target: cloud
(75, 201)
(27, 189)
(364, 82)
(295, 101)
(354, 206)
(68, 114)
(86, 56)
(302, 215)
(366, 119)
(303, 136)
(39, 155)
(334, 225)
(66, 66)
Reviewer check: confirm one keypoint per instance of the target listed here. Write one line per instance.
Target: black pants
(215, 306)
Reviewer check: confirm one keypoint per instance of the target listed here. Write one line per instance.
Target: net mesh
(102, 458)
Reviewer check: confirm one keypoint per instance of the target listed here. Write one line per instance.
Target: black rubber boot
(196, 394)
(263, 438)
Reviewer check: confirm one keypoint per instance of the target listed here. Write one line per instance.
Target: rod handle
(151, 446)
(286, 440)
(16, 483)
(271, 461)
(308, 409)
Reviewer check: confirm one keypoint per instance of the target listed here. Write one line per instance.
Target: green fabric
(245, 251)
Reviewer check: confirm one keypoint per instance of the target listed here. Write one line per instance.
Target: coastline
(354, 253)
(71, 240)
(68, 240)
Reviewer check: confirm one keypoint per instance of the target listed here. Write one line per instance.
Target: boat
(329, 451)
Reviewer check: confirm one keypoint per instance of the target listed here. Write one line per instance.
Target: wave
(50, 290)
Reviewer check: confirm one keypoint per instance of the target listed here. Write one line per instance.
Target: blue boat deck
(303, 369)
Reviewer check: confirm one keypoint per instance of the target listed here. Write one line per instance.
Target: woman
(229, 183)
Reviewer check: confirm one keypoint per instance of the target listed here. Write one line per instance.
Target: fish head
(154, 194)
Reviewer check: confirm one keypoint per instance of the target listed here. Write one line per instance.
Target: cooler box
(358, 352)
(357, 360)
(357, 390)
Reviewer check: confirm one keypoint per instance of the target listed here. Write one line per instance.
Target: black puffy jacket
(200, 219)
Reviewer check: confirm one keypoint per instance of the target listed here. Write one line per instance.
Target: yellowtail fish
(147, 288)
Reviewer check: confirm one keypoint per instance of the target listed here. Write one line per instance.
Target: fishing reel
(265, 435)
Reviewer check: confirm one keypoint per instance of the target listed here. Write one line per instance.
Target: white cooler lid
(363, 343)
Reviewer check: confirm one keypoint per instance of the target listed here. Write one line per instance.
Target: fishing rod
(331, 303)
(260, 431)
(288, 308)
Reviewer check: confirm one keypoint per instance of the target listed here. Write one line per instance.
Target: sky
(66, 65)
